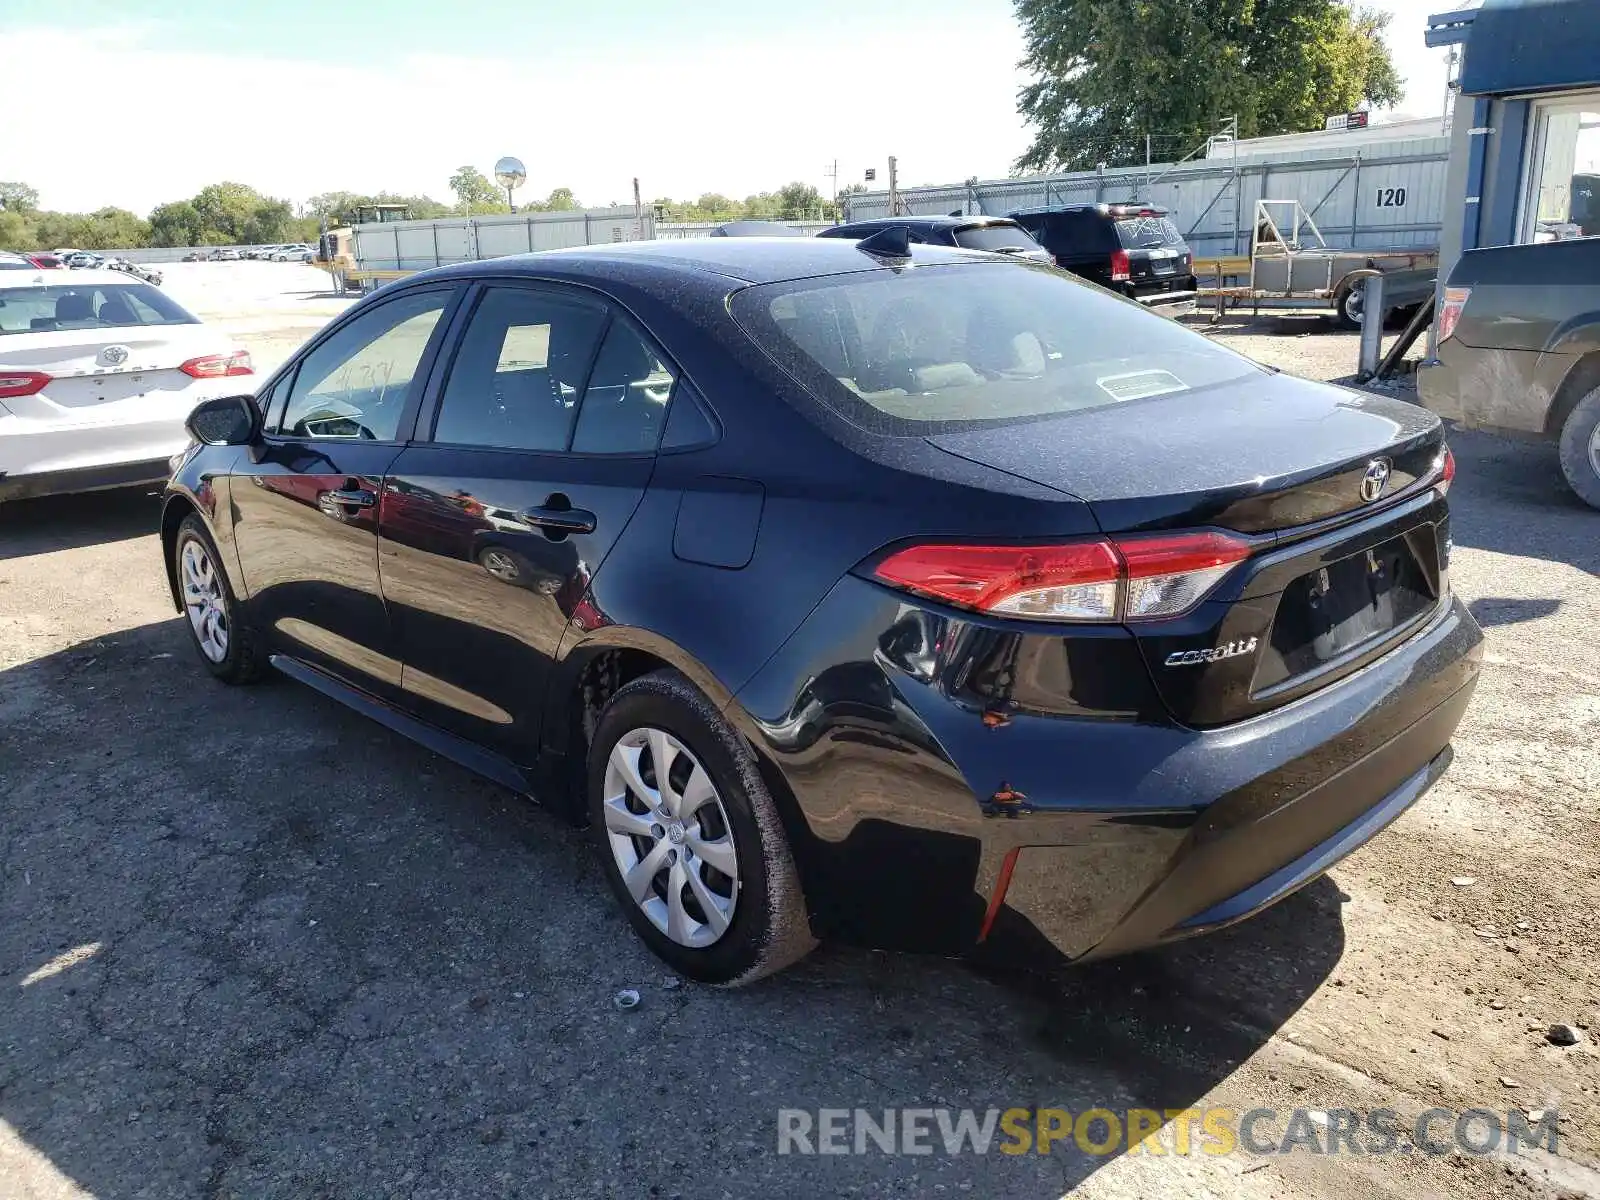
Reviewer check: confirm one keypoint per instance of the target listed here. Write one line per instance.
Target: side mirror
(225, 421)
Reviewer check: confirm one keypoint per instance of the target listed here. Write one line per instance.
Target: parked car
(97, 374)
(195, 256)
(1134, 249)
(1000, 235)
(225, 255)
(290, 253)
(84, 258)
(137, 270)
(10, 261)
(1519, 350)
(847, 600)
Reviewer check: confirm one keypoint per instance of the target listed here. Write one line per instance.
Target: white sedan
(98, 373)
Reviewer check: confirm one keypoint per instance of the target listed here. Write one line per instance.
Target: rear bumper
(84, 479)
(912, 787)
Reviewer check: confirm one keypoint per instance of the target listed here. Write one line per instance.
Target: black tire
(1578, 435)
(245, 658)
(769, 928)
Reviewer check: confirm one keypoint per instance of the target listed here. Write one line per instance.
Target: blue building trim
(1498, 224)
(1477, 152)
(1531, 46)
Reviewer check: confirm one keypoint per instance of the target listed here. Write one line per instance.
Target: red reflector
(1455, 301)
(1120, 267)
(21, 383)
(1447, 471)
(983, 576)
(1007, 868)
(1179, 554)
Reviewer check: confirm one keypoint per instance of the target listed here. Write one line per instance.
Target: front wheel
(1580, 449)
(222, 635)
(689, 837)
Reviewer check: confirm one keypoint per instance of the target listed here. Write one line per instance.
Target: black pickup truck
(1519, 349)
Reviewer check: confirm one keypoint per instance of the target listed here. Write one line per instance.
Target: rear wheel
(223, 636)
(1580, 449)
(689, 837)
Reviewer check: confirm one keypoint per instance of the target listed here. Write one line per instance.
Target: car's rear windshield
(87, 306)
(995, 237)
(1143, 233)
(930, 349)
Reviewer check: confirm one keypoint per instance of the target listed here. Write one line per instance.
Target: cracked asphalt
(254, 946)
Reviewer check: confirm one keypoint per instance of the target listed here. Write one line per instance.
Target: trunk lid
(1336, 576)
(102, 374)
(1258, 454)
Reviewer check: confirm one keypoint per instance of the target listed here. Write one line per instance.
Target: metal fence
(417, 245)
(680, 230)
(1388, 194)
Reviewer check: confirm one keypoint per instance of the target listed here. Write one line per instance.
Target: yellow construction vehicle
(336, 250)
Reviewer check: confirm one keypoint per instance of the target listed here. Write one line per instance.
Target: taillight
(1455, 299)
(1121, 269)
(21, 383)
(1445, 468)
(1127, 579)
(215, 366)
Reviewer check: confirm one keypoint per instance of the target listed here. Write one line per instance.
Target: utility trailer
(1290, 266)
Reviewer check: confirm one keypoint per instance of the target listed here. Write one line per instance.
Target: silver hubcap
(670, 836)
(1594, 450)
(202, 600)
(1352, 305)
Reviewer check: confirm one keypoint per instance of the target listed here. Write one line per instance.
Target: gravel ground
(254, 946)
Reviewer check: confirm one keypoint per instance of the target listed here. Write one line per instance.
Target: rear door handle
(558, 521)
(359, 497)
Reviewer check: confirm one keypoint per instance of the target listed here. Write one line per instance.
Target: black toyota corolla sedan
(892, 594)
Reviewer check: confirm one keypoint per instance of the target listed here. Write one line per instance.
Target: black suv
(1134, 249)
(999, 235)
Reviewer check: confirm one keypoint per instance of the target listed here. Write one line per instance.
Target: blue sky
(302, 96)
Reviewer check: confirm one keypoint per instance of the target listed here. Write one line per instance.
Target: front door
(541, 447)
(306, 499)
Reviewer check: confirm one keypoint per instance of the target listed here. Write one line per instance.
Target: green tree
(799, 201)
(714, 206)
(113, 229)
(16, 231)
(561, 200)
(176, 224)
(17, 197)
(475, 191)
(1107, 72)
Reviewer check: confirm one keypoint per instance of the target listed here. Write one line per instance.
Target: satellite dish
(510, 173)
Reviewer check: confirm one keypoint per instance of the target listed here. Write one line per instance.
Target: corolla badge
(114, 356)
(1376, 479)
(1194, 658)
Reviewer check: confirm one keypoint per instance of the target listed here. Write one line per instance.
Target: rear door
(525, 472)
(305, 502)
(1079, 240)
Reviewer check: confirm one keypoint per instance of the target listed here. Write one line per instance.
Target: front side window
(935, 349)
(357, 382)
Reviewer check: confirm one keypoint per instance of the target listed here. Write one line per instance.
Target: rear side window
(517, 377)
(1145, 233)
(1079, 232)
(935, 349)
(92, 306)
(995, 237)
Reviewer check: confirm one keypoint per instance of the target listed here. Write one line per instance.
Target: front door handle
(338, 504)
(558, 521)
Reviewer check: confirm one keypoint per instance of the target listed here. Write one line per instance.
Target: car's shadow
(251, 944)
(48, 523)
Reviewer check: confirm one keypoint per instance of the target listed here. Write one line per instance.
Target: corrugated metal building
(1372, 191)
(418, 245)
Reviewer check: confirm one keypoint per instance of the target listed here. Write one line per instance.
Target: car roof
(942, 221)
(1103, 209)
(745, 260)
(54, 277)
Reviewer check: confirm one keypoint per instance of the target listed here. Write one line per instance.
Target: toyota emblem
(114, 356)
(1376, 479)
